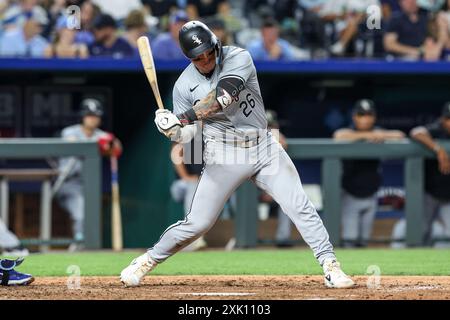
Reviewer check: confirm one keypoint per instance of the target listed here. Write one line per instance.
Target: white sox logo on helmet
(196, 39)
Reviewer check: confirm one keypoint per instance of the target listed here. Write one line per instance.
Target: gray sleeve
(180, 102)
(69, 132)
(240, 65)
(99, 133)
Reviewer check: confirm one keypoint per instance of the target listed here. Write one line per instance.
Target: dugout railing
(36, 148)
(331, 153)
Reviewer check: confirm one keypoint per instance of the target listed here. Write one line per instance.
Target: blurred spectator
(270, 47)
(444, 20)
(314, 34)
(160, 8)
(259, 10)
(89, 12)
(431, 5)
(389, 7)
(407, 34)
(118, 9)
(18, 14)
(23, 42)
(9, 243)
(361, 178)
(75, 2)
(135, 27)
(55, 9)
(437, 182)
(107, 42)
(284, 11)
(70, 193)
(197, 9)
(64, 45)
(346, 15)
(217, 26)
(4, 4)
(166, 46)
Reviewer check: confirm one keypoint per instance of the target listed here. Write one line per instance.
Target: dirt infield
(231, 287)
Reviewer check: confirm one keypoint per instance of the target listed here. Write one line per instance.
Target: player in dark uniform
(437, 179)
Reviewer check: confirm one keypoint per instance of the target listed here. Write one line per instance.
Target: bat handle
(160, 104)
(114, 169)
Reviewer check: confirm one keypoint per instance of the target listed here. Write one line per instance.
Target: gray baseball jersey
(245, 115)
(266, 163)
(76, 133)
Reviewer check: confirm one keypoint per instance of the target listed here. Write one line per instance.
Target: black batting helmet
(91, 106)
(364, 106)
(196, 38)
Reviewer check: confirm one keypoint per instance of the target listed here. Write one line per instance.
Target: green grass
(246, 262)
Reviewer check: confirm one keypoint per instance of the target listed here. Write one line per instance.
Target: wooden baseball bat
(149, 67)
(116, 219)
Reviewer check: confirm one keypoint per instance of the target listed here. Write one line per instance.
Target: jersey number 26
(247, 105)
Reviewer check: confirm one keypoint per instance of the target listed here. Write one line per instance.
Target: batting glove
(166, 122)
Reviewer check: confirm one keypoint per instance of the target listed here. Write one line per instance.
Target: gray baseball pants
(358, 215)
(226, 167)
(71, 198)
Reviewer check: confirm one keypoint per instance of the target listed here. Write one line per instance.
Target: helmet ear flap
(219, 52)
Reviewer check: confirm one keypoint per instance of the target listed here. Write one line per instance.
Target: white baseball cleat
(132, 275)
(334, 276)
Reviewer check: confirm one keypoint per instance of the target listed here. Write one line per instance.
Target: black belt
(247, 143)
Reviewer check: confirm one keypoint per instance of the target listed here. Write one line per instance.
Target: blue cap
(364, 106)
(178, 16)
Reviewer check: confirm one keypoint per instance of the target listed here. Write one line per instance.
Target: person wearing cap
(63, 45)
(89, 11)
(198, 9)
(107, 42)
(437, 180)
(166, 46)
(24, 41)
(70, 192)
(361, 178)
(22, 11)
(135, 27)
(218, 27)
(270, 47)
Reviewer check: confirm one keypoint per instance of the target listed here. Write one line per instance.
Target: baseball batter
(220, 88)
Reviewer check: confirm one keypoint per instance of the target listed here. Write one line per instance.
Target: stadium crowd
(270, 30)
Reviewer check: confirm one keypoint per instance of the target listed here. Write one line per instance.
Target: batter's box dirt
(232, 288)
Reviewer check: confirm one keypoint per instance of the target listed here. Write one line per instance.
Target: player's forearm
(394, 134)
(425, 138)
(351, 135)
(207, 107)
(392, 45)
(203, 109)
